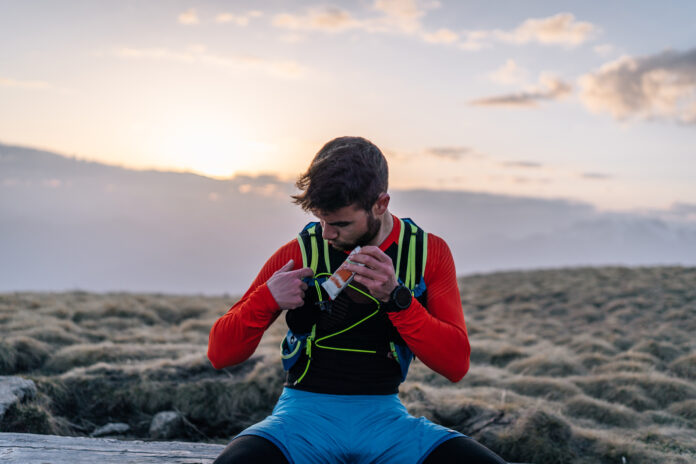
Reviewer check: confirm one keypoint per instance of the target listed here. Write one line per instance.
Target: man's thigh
(251, 449)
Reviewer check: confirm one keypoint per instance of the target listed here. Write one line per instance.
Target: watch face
(402, 297)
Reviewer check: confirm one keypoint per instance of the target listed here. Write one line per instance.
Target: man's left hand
(377, 274)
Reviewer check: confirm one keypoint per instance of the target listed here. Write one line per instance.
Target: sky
(586, 101)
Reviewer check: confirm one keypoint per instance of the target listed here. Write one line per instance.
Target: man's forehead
(347, 213)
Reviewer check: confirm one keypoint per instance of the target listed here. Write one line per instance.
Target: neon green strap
(327, 262)
(302, 249)
(308, 350)
(392, 347)
(315, 248)
(345, 330)
(410, 280)
(425, 252)
(398, 251)
(355, 350)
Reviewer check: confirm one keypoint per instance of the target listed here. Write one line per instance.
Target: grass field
(588, 365)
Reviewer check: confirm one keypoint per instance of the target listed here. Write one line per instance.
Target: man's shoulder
(432, 238)
(312, 226)
(288, 249)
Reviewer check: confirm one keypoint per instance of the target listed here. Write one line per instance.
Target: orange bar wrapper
(340, 279)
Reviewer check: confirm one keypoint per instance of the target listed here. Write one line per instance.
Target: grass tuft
(538, 437)
(685, 409)
(600, 411)
(662, 389)
(542, 387)
(555, 363)
(685, 366)
(22, 354)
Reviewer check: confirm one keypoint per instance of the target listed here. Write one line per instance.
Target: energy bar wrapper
(340, 279)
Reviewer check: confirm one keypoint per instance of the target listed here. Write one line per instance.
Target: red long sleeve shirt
(436, 335)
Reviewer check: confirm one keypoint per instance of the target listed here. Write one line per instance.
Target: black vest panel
(345, 372)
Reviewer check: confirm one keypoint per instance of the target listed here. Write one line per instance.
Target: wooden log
(23, 448)
(30, 448)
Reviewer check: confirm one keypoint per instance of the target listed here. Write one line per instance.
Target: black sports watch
(399, 299)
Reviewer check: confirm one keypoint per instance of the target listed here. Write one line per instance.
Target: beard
(373, 226)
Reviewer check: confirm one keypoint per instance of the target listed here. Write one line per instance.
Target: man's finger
(363, 271)
(303, 272)
(375, 253)
(287, 266)
(367, 260)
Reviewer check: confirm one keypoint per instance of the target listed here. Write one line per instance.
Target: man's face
(348, 227)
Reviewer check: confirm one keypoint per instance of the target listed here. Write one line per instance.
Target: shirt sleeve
(235, 336)
(437, 335)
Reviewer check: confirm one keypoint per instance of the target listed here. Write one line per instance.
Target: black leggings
(253, 449)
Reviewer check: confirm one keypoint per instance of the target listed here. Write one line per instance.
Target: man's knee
(462, 449)
(251, 449)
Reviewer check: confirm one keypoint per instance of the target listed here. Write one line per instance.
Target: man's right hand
(287, 286)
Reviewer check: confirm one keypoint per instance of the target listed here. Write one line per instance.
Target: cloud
(392, 17)
(549, 88)
(441, 36)
(189, 17)
(560, 29)
(476, 40)
(7, 82)
(678, 211)
(682, 210)
(238, 19)
(199, 55)
(406, 17)
(509, 73)
(328, 19)
(661, 86)
(266, 185)
(522, 164)
(596, 175)
(450, 153)
(531, 180)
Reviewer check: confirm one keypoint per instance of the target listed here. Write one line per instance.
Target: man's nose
(328, 232)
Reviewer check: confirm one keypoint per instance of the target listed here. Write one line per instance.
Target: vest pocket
(291, 348)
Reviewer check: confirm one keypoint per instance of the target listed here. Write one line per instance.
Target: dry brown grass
(685, 366)
(601, 412)
(586, 366)
(549, 388)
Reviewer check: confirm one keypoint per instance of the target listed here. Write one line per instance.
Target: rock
(13, 390)
(166, 424)
(112, 428)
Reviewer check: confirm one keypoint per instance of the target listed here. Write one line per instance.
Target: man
(346, 357)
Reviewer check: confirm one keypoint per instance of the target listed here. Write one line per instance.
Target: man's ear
(381, 205)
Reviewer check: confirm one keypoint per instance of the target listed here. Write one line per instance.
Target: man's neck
(385, 228)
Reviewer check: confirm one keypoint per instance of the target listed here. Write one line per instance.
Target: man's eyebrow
(339, 223)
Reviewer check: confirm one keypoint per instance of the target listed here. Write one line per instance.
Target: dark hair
(346, 171)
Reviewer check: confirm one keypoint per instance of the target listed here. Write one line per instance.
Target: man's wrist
(399, 299)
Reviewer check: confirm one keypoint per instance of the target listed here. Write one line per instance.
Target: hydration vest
(353, 323)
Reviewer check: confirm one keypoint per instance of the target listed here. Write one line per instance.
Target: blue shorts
(320, 428)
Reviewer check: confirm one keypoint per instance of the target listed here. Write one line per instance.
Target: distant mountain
(66, 223)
